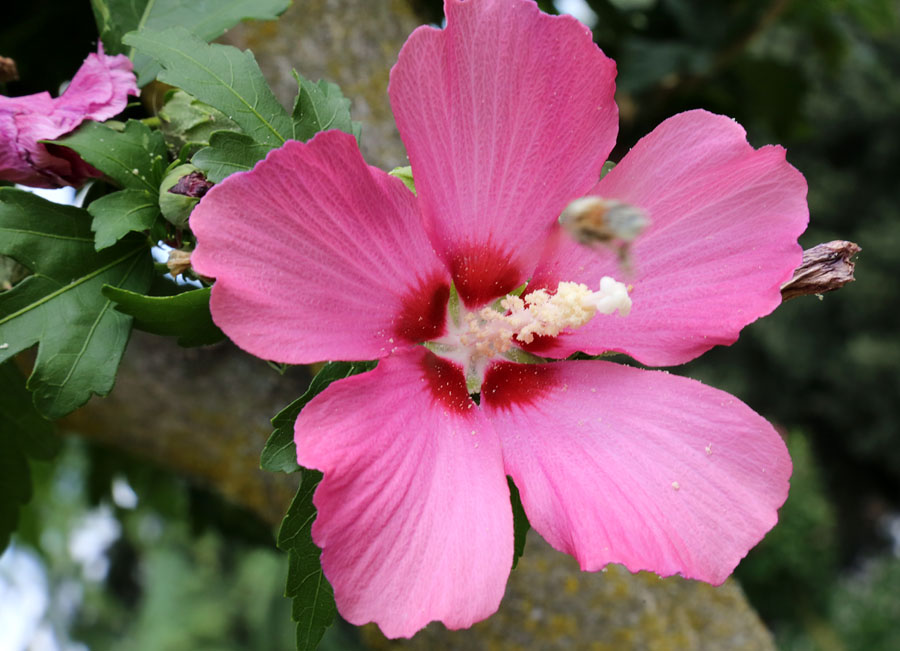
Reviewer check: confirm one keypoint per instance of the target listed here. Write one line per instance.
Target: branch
(825, 268)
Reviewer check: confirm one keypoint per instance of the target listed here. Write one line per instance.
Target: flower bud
(180, 191)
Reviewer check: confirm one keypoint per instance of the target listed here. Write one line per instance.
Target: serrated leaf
(228, 152)
(279, 453)
(116, 17)
(313, 599)
(521, 525)
(135, 158)
(185, 315)
(319, 107)
(60, 307)
(120, 213)
(208, 19)
(23, 433)
(221, 76)
(185, 120)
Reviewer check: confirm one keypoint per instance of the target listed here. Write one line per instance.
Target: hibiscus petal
(318, 256)
(621, 465)
(414, 517)
(17, 146)
(725, 221)
(507, 115)
(98, 91)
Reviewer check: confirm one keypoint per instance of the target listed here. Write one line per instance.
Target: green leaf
(229, 152)
(116, 17)
(208, 19)
(520, 523)
(185, 120)
(135, 158)
(319, 107)
(23, 433)
(119, 213)
(221, 76)
(405, 175)
(313, 599)
(184, 315)
(279, 453)
(60, 307)
(607, 168)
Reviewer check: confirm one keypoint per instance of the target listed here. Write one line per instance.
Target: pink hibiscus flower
(98, 91)
(508, 116)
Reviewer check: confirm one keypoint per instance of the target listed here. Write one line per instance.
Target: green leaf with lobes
(319, 107)
(313, 598)
(207, 19)
(135, 158)
(120, 213)
(60, 307)
(279, 453)
(219, 75)
(184, 120)
(229, 152)
(185, 315)
(23, 434)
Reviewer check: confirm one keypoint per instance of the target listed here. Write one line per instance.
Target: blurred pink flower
(98, 91)
(508, 115)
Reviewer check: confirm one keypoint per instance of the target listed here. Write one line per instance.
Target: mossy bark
(550, 604)
(352, 43)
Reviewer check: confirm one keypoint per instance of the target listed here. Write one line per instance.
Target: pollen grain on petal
(447, 383)
(507, 384)
(483, 273)
(423, 314)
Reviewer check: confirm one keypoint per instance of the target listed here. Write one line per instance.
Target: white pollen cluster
(491, 333)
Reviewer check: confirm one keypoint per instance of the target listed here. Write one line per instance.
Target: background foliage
(817, 76)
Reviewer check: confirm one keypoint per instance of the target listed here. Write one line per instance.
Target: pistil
(490, 333)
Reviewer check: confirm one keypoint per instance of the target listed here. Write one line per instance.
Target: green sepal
(453, 305)
(518, 291)
(607, 168)
(405, 175)
(185, 315)
(313, 605)
(279, 453)
(520, 522)
(519, 356)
